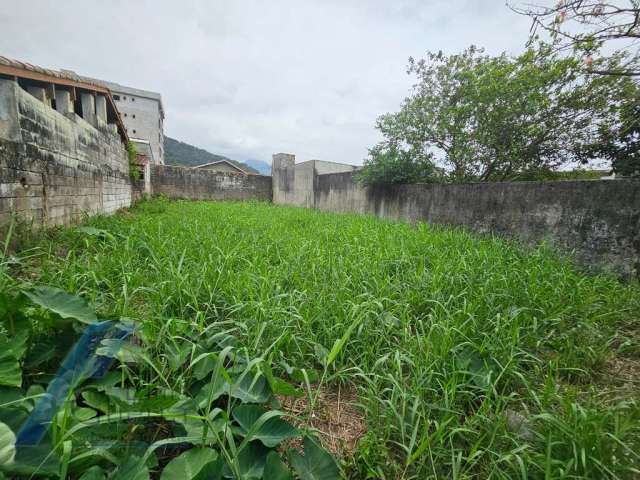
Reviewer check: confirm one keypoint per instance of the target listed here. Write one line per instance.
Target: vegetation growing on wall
(134, 168)
(470, 357)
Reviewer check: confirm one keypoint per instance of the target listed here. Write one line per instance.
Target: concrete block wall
(202, 184)
(54, 167)
(598, 221)
(294, 183)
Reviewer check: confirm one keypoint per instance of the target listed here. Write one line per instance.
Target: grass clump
(471, 357)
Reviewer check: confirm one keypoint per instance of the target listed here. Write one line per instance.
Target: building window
(134, 131)
(116, 97)
(133, 115)
(124, 98)
(133, 99)
(125, 114)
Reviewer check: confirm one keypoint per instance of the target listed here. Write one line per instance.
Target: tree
(498, 118)
(620, 142)
(588, 25)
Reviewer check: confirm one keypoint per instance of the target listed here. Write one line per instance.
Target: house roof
(17, 69)
(210, 164)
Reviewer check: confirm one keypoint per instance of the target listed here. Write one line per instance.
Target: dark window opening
(134, 131)
(125, 114)
(116, 97)
(133, 115)
(133, 99)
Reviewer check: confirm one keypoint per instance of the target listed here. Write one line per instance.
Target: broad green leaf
(194, 464)
(212, 391)
(96, 232)
(132, 468)
(271, 432)
(94, 473)
(11, 351)
(251, 461)
(10, 372)
(279, 386)
(316, 464)
(248, 391)
(32, 460)
(7, 445)
(275, 469)
(62, 303)
(82, 414)
(97, 400)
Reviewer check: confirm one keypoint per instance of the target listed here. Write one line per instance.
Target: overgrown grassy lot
(467, 357)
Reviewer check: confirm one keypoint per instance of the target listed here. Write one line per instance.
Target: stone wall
(55, 167)
(598, 221)
(202, 184)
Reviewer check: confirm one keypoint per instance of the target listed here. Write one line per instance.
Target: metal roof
(221, 161)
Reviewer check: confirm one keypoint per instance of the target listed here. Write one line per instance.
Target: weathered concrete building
(143, 115)
(62, 147)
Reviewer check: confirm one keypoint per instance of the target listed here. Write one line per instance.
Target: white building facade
(143, 116)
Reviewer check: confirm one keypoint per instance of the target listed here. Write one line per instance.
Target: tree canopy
(474, 117)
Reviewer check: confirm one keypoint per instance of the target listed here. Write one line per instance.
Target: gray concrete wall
(55, 168)
(202, 184)
(293, 183)
(597, 220)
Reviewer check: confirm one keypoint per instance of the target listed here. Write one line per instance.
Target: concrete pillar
(147, 179)
(101, 108)
(88, 102)
(64, 104)
(38, 92)
(283, 172)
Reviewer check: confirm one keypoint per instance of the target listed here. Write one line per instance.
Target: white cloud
(250, 78)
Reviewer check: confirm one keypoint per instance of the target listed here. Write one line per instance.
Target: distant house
(222, 166)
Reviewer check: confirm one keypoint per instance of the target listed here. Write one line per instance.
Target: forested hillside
(181, 153)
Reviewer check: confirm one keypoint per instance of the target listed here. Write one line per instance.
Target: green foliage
(181, 153)
(316, 464)
(444, 338)
(498, 118)
(134, 168)
(392, 165)
(7, 445)
(620, 142)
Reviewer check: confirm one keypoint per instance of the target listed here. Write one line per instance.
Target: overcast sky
(250, 78)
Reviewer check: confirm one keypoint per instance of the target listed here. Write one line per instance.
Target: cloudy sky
(247, 78)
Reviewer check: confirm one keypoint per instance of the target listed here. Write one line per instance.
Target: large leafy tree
(486, 118)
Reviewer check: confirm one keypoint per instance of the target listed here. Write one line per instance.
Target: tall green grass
(472, 357)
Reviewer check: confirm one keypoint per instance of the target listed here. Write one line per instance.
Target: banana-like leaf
(62, 303)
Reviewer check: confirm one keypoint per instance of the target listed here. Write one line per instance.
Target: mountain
(180, 153)
(261, 166)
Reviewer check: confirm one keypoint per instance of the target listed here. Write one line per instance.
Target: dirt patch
(624, 372)
(336, 417)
